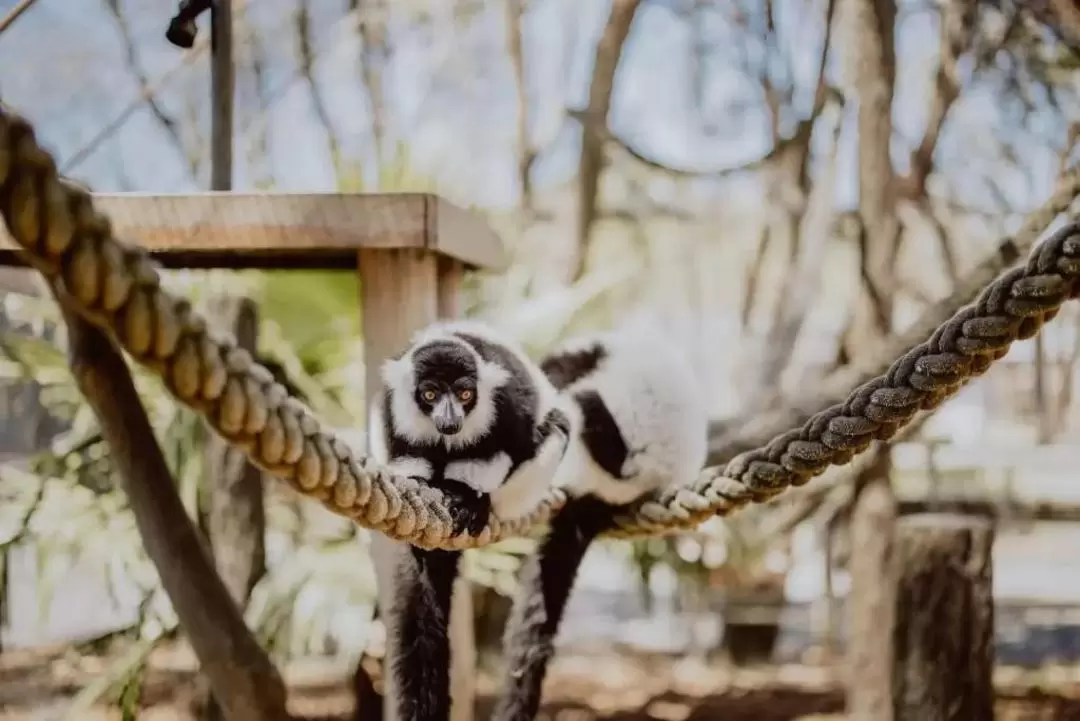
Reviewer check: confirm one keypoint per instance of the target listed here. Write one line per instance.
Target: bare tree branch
(957, 25)
(875, 73)
(243, 679)
(260, 146)
(171, 127)
(526, 154)
(957, 28)
(307, 65)
(600, 130)
(14, 13)
(730, 437)
(757, 267)
(606, 63)
(803, 214)
(371, 26)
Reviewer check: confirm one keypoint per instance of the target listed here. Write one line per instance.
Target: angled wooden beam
(291, 230)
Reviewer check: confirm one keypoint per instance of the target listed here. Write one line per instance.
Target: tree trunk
(371, 24)
(606, 63)
(872, 24)
(871, 599)
(236, 516)
(244, 680)
(525, 154)
(944, 633)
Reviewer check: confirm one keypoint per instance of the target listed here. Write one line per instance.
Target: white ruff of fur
(410, 422)
(650, 390)
(512, 495)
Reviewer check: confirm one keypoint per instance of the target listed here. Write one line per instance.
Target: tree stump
(944, 633)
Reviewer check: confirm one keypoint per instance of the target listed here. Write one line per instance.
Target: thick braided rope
(1013, 307)
(117, 288)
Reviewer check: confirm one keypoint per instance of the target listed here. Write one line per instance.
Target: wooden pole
(944, 633)
(398, 296)
(236, 514)
(222, 79)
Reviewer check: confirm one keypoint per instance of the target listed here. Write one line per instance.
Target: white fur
(651, 391)
(484, 476)
(529, 483)
(411, 467)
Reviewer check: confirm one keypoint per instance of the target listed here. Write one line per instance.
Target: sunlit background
(726, 211)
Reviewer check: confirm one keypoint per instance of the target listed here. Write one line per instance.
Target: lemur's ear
(396, 372)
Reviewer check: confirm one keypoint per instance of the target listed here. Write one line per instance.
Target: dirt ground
(581, 687)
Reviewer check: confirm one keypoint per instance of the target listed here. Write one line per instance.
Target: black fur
(600, 434)
(545, 583)
(422, 664)
(568, 367)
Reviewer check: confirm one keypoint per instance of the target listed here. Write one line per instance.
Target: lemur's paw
(560, 421)
(469, 509)
(556, 421)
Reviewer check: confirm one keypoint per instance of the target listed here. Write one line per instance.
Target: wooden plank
(290, 230)
(460, 234)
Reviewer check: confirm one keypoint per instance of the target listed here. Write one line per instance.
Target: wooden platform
(290, 230)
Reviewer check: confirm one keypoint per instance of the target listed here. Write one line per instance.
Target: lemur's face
(446, 374)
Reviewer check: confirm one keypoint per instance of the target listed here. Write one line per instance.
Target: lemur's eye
(465, 395)
(429, 395)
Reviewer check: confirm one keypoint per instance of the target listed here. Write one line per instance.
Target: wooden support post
(401, 292)
(462, 617)
(944, 634)
(451, 274)
(398, 296)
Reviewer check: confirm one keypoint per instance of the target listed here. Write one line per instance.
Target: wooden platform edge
(290, 230)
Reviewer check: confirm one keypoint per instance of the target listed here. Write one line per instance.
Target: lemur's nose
(447, 417)
(448, 428)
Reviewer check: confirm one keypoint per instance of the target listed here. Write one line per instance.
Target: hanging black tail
(547, 578)
(422, 665)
